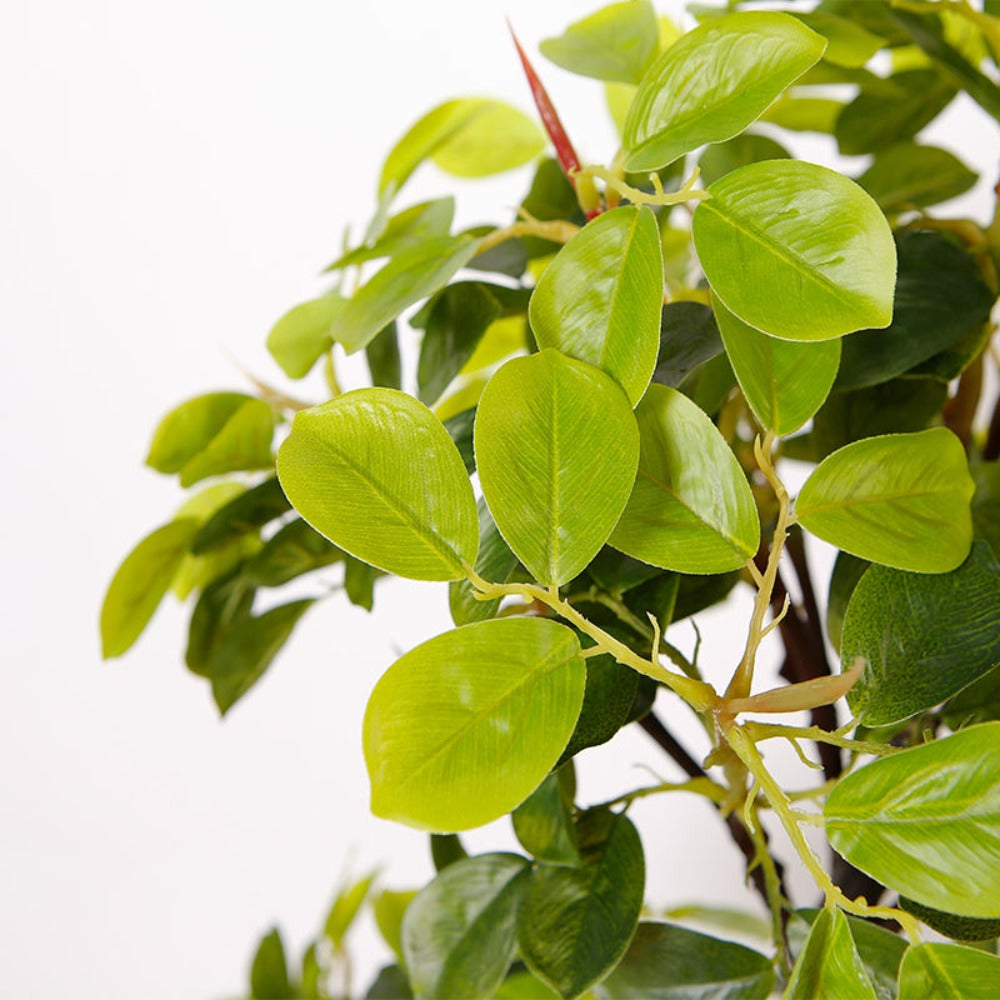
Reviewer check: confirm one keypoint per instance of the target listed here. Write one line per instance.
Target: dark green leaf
(359, 582)
(460, 428)
(667, 962)
(223, 602)
(829, 964)
(950, 924)
(952, 361)
(689, 337)
(460, 931)
(575, 923)
(909, 176)
(302, 335)
(446, 849)
(247, 648)
(247, 512)
(615, 573)
(296, 548)
(722, 157)
(948, 972)
(986, 503)
(980, 702)
(269, 972)
(551, 197)
(384, 362)
(710, 384)
(509, 257)
(391, 983)
(695, 593)
(847, 571)
(543, 822)
(495, 564)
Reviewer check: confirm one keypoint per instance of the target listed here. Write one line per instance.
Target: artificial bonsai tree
(592, 447)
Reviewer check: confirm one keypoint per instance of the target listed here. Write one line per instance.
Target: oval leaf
(948, 971)
(189, 428)
(950, 925)
(796, 250)
(463, 728)
(543, 822)
(713, 82)
(910, 176)
(784, 382)
(460, 931)
(667, 962)
(298, 339)
(926, 821)
(495, 563)
(600, 299)
(691, 508)
(925, 637)
(575, 923)
(242, 444)
(829, 965)
(901, 500)
(556, 448)
(376, 473)
(724, 157)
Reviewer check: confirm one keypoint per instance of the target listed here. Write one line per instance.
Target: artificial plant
(591, 447)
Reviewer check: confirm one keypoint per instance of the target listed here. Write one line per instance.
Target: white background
(172, 178)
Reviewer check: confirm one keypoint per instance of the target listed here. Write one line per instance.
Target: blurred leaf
(247, 511)
(384, 362)
(986, 503)
(722, 157)
(446, 849)
(543, 822)
(829, 964)
(190, 427)
(295, 549)
(223, 602)
(689, 337)
(269, 973)
(951, 925)
(804, 114)
(948, 971)
(391, 983)
(389, 908)
(849, 44)
(551, 197)
(345, 908)
(847, 571)
(495, 564)
(242, 443)
(909, 176)
(304, 333)
(359, 582)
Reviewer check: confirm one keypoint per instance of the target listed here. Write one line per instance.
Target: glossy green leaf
(299, 339)
(926, 821)
(724, 157)
(829, 964)
(576, 922)
(247, 511)
(950, 924)
(909, 176)
(667, 962)
(495, 564)
(243, 443)
(463, 728)
(409, 277)
(345, 908)
(892, 110)
(940, 296)
(713, 82)
(248, 647)
(140, 582)
(224, 602)
(543, 822)
(691, 509)
(924, 637)
(389, 908)
(785, 382)
(796, 250)
(460, 932)
(847, 571)
(296, 548)
(556, 449)
(375, 472)
(190, 427)
(948, 972)
(269, 971)
(600, 299)
(901, 500)
(615, 43)
(385, 365)
(848, 43)
(689, 337)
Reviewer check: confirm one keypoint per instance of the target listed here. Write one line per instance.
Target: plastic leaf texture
(948, 970)
(301, 336)
(829, 965)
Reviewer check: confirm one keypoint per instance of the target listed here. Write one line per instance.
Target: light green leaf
(724, 157)
(576, 922)
(713, 82)
(140, 582)
(796, 250)
(804, 114)
(691, 508)
(667, 962)
(375, 472)
(410, 276)
(600, 299)
(785, 382)
(615, 43)
(948, 972)
(242, 443)
(829, 964)
(556, 448)
(951, 925)
(300, 337)
(909, 176)
(924, 637)
(189, 428)
(269, 971)
(463, 728)
(926, 821)
(345, 908)
(901, 500)
(543, 822)
(460, 932)
(848, 43)
(524, 986)
(389, 907)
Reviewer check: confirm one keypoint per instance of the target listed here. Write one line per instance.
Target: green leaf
(248, 511)
(551, 196)
(713, 82)
(384, 362)
(948, 972)
(345, 908)
(543, 822)
(269, 972)
(926, 821)
(689, 337)
(599, 301)
(389, 907)
(848, 44)
(460, 429)
(986, 503)
(901, 500)
(924, 638)
(296, 548)
(691, 509)
(785, 382)
(247, 648)
(575, 923)
(908, 176)
(375, 472)
(615, 43)
(847, 571)
(299, 339)
(243, 443)
(521, 985)
(495, 564)
(391, 983)
(460, 931)
(940, 296)
(667, 962)
(796, 250)
(829, 965)
(224, 602)
(446, 849)
(951, 925)
(189, 428)
(892, 110)
(724, 157)
(359, 582)
(804, 114)
(556, 449)
(140, 582)
(410, 276)
(463, 728)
